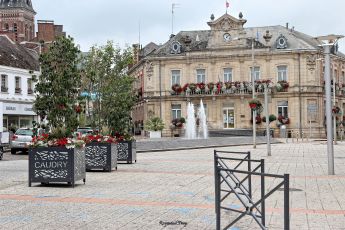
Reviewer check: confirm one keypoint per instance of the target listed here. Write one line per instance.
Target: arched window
(26, 31)
(15, 28)
(6, 27)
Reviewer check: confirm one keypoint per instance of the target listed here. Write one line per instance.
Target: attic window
(281, 42)
(175, 48)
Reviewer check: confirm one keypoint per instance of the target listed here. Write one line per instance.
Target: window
(343, 76)
(227, 74)
(17, 85)
(176, 111)
(175, 77)
(283, 109)
(15, 29)
(200, 76)
(256, 73)
(30, 91)
(4, 88)
(282, 73)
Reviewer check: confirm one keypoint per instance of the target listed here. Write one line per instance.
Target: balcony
(4, 89)
(18, 90)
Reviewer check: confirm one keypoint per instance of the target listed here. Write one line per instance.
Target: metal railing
(228, 181)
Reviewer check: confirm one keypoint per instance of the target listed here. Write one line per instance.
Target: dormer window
(281, 42)
(175, 48)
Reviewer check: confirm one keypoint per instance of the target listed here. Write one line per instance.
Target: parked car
(83, 131)
(21, 139)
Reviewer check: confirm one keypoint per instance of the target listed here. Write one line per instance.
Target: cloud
(97, 21)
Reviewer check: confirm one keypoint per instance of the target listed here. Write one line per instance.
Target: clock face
(227, 37)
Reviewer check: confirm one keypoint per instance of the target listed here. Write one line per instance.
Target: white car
(21, 139)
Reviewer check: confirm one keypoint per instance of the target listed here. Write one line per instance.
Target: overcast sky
(96, 21)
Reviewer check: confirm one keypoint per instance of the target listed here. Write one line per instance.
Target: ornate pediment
(227, 23)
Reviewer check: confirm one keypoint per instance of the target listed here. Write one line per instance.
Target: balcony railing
(4, 89)
(17, 90)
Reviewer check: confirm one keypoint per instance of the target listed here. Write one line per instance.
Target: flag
(227, 4)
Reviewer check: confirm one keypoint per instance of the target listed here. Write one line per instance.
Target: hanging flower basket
(78, 109)
(255, 104)
(283, 120)
(336, 111)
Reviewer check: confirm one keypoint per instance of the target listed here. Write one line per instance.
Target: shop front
(16, 115)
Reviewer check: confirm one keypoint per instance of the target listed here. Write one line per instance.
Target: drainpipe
(160, 89)
(300, 94)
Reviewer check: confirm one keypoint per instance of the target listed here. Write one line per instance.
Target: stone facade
(225, 54)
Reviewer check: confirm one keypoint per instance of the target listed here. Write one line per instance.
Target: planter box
(126, 151)
(101, 156)
(56, 164)
(155, 134)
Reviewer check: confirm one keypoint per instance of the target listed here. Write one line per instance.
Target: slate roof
(11, 4)
(17, 56)
(199, 40)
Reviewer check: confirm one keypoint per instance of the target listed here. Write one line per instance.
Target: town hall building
(217, 66)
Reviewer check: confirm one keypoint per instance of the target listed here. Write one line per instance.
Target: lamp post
(268, 133)
(327, 43)
(334, 118)
(253, 95)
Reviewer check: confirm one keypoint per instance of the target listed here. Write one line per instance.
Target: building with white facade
(17, 66)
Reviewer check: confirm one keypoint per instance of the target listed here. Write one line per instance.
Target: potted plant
(101, 152)
(283, 120)
(177, 124)
(155, 126)
(177, 89)
(56, 157)
(271, 118)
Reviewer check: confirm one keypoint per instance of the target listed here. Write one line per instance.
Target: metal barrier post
(249, 176)
(217, 190)
(263, 214)
(286, 203)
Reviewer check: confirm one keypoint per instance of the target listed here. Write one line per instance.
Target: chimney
(287, 25)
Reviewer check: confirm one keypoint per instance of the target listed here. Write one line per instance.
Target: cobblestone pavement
(175, 187)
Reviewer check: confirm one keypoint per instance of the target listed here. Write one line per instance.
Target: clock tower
(226, 31)
(17, 20)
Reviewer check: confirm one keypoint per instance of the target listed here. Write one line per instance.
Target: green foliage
(154, 124)
(105, 73)
(271, 118)
(57, 87)
(60, 132)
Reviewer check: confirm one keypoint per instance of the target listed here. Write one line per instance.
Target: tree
(58, 84)
(106, 67)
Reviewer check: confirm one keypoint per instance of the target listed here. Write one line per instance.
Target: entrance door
(228, 118)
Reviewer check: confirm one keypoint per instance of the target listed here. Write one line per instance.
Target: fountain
(191, 129)
(202, 121)
(191, 124)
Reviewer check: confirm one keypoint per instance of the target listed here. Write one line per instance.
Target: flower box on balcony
(4, 89)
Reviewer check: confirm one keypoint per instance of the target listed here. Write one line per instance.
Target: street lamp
(253, 94)
(328, 42)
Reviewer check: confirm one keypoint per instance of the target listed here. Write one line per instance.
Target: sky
(92, 22)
